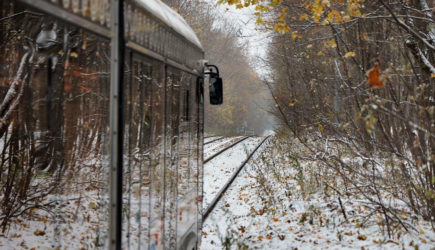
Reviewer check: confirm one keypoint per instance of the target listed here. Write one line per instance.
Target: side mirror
(216, 90)
(215, 85)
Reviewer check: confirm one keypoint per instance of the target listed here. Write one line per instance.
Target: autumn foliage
(373, 76)
(354, 79)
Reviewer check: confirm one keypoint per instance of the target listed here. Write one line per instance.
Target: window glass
(54, 132)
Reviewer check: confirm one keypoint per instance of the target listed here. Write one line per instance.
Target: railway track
(219, 195)
(210, 136)
(225, 149)
(214, 140)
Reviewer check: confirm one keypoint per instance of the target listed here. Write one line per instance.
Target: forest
(246, 98)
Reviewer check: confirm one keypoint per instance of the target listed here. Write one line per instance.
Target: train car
(101, 125)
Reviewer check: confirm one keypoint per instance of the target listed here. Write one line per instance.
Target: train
(101, 125)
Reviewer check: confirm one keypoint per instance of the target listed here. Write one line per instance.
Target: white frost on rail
(171, 18)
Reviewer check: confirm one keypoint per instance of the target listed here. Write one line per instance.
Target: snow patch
(171, 18)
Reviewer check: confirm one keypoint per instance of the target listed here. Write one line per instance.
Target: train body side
(54, 129)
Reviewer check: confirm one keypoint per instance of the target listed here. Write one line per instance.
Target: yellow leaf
(332, 44)
(354, 10)
(294, 35)
(92, 204)
(350, 54)
(432, 75)
(320, 128)
(303, 17)
(320, 53)
(74, 54)
(309, 46)
(346, 18)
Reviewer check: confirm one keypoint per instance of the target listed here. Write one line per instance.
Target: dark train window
(186, 105)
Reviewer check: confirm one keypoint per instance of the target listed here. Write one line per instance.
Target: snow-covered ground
(268, 208)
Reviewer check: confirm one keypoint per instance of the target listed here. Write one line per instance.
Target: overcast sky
(257, 40)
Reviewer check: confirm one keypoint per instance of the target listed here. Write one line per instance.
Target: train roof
(170, 18)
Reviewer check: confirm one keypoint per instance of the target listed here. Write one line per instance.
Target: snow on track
(211, 187)
(219, 170)
(212, 148)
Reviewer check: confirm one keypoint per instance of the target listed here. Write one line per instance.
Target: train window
(187, 105)
(54, 140)
(200, 90)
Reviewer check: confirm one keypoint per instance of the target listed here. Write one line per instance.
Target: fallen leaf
(39, 232)
(92, 204)
(362, 237)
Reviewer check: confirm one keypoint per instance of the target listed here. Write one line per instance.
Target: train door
(199, 145)
(137, 157)
(157, 156)
(172, 121)
(187, 169)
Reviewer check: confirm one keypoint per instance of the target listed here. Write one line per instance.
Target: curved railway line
(225, 187)
(225, 149)
(214, 140)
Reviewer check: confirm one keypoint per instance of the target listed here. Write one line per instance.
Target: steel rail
(225, 149)
(219, 138)
(228, 184)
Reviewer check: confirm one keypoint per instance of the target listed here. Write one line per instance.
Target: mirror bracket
(210, 66)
